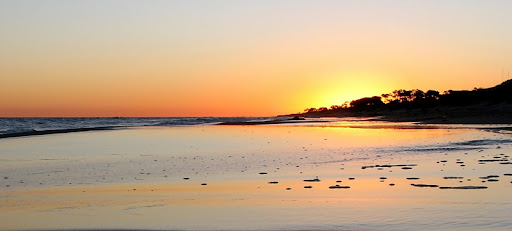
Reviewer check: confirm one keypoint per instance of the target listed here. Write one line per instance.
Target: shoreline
(401, 118)
(56, 131)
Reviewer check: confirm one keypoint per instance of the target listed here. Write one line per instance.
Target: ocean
(14, 127)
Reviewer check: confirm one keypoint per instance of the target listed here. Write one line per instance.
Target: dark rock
(297, 118)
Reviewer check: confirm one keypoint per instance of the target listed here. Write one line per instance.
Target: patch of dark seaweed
(453, 177)
(463, 187)
(339, 187)
(492, 160)
(425, 185)
(412, 178)
(388, 166)
(312, 180)
(489, 177)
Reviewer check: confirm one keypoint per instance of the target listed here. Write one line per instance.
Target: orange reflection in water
(68, 207)
(233, 199)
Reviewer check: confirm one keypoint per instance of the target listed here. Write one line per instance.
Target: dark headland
(478, 106)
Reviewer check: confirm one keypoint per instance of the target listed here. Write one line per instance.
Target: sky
(240, 58)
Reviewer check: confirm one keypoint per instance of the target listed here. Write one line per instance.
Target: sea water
(26, 126)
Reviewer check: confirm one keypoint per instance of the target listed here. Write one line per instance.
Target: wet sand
(256, 177)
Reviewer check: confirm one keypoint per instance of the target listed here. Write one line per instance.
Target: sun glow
(351, 86)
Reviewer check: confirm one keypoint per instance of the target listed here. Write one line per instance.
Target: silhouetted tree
(431, 94)
(386, 98)
(309, 110)
(417, 95)
(367, 102)
(346, 104)
(418, 99)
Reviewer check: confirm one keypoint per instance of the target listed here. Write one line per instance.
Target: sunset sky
(240, 58)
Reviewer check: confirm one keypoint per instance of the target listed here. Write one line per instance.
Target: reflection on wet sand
(247, 177)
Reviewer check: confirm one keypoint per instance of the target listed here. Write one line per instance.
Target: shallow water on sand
(254, 178)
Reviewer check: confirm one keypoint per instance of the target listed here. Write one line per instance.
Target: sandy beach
(330, 175)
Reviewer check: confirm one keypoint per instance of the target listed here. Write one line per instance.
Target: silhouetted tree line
(418, 99)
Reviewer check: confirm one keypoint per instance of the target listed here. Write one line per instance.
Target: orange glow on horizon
(230, 61)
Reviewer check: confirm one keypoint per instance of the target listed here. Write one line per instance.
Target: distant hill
(480, 105)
